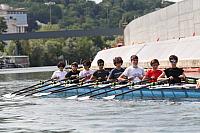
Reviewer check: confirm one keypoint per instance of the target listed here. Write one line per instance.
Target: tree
(3, 25)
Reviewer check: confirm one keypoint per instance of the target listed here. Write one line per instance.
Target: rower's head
(134, 60)
(154, 63)
(86, 64)
(173, 59)
(117, 61)
(74, 66)
(100, 63)
(61, 65)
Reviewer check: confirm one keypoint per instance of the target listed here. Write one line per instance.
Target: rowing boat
(139, 91)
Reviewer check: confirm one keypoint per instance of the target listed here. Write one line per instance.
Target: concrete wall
(187, 49)
(181, 19)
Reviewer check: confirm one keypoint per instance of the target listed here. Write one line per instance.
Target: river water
(58, 115)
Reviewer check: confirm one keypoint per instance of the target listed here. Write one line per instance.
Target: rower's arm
(162, 76)
(122, 77)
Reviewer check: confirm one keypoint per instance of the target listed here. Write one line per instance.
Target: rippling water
(58, 115)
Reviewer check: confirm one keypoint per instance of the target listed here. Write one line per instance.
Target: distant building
(14, 62)
(16, 19)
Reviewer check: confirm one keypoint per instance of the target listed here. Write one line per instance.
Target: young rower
(74, 72)
(174, 73)
(101, 74)
(86, 73)
(117, 71)
(59, 74)
(154, 72)
(134, 73)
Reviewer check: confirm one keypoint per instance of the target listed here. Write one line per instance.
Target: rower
(59, 74)
(73, 74)
(117, 71)
(134, 72)
(101, 74)
(86, 73)
(154, 72)
(174, 73)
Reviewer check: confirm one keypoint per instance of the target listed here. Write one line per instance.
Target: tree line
(73, 14)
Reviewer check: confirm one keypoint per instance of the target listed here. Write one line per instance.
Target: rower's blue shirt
(115, 73)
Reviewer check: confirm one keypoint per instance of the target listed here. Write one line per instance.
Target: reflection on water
(58, 115)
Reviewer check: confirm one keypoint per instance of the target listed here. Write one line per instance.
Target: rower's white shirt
(131, 72)
(59, 74)
(86, 74)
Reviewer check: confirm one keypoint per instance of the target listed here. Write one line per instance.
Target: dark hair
(61, 64)
(87, 63)
(134, 57)
(117, 60)
(154, 61)
(100, 61)
(74, 64)
(173, 57)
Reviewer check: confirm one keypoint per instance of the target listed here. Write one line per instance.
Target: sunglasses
(134, 59)
(101, 64)
(173, 61)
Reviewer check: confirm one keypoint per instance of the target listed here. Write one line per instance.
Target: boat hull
(160, 92)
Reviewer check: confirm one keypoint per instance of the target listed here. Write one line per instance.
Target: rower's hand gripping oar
(25, 89)
(151, 84)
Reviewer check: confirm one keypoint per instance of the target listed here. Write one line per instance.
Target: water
(58, 115)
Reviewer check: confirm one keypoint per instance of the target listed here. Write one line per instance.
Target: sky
(97, 1)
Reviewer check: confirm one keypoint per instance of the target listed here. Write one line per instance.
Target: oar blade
(18, 97)
(72, 97)
(41, 94)
(109, 97)
(84, 98)
(9, 95)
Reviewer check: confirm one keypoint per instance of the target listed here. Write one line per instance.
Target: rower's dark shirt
(175, 73)
(101, 75)
(115, 73)
(72, 75)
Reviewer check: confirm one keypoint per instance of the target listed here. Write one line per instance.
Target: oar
(77, 86)
(72, 81)
(27, 88)
(77, 96)
(49, 89)
(194, 80)
(38, 88)
(151, 84)
(88, 97)
(109, 85)
(53, 87)
(73, 87)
